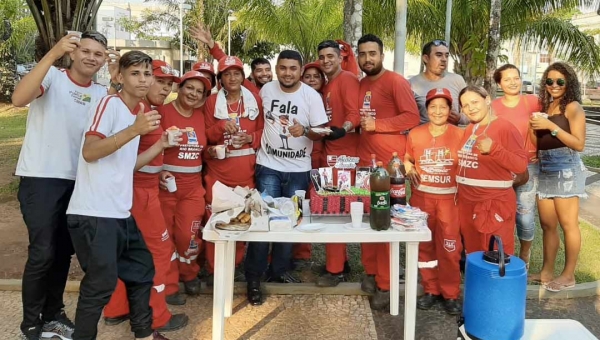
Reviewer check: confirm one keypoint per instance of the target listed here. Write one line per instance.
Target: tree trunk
(491, 58)
(353, 17)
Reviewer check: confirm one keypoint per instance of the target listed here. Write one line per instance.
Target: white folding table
(549, 329)
(335, 232)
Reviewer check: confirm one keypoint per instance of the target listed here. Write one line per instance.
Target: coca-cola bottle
(380, 217)
(397, 186)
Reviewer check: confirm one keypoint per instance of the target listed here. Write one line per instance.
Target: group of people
(97, 169)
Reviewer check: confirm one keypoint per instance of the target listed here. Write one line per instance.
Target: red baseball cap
(228, 62)
(204, 66)
(161, 69)
(314, 64)
(199, 76)
(438, 93)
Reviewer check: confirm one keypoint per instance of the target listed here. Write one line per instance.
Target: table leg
(218, 330)
(410, 297)
(229, 276)
(394, 277)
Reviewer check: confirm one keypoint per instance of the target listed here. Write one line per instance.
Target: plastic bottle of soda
(373, 162)
(397, 186)
(380, 218)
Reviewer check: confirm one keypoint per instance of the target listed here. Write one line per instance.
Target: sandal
(557, 287)
(536, 278)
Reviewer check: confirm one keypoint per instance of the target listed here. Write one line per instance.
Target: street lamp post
(230, 18)
(182, 6)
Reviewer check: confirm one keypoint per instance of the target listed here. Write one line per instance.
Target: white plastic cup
(172, 134)
(171, 185)
(236, 141)
(356, 213)
(220, 149)
(76, 33)
(300, 193)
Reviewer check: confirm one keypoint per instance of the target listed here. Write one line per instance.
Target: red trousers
(149, 218)
(335, 256)
(376, 261)
(439, 258)
(183, 211)
(209, 249)
(479, 221)
(302, 251)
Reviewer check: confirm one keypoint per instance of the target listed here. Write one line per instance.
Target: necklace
(237, 109)
(468, 147)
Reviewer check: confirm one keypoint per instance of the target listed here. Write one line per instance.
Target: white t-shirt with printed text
(55, 123)
(279, 150)
(104, 188)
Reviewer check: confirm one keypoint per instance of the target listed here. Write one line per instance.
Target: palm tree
(298, 24)
(491, 58)
(54, 18)
(353, 17)
(541, 24)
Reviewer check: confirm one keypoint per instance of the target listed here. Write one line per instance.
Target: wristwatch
(116, 86)
(306, 131)
(554, 132)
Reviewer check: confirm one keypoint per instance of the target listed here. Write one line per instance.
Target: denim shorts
(562, 174)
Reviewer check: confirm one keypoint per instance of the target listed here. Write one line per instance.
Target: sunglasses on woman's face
(559, 82)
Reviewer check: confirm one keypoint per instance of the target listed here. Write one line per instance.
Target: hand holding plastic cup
(220, 149)
(171, 185)
(77, 33)
(539, 114)
(172, 135)
(356, 213)
(236, 141)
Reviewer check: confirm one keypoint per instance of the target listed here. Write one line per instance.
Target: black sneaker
(177, 321)
(32, 333)
(157, 336)
(452, 306)
(254, 293)
(427, 301)
(192, 287)
(61, 327)
(286, 277)
(176, 299)
(381, 300)
(368, 284)
(116, 321)
(330, 280)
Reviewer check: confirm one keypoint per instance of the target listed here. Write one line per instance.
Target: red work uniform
(183, 209)
(486, 199)
(339, 99)
(217, 53)
(436, 162)
(390, 100)
(146, 211)
(238, 166)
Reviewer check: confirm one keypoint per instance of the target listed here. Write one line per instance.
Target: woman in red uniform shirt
(183, 209)
(433, 190)
(148, 215)
(233, 118)
(491, 152)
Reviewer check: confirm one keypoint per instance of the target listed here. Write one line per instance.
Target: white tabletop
(552, 329)
(335, 231)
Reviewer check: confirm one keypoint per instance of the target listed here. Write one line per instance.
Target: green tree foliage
(536, 24)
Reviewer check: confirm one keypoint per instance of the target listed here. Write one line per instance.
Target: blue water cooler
(494, 294)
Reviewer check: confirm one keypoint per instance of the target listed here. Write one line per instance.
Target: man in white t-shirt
(435, 57)
(106, 239)
(60, 100)
(283, 161)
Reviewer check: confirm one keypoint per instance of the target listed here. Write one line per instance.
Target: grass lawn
(12, 130)
(593, 161)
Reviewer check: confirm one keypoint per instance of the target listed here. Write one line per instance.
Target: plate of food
(311, 227)
(321, 130)
(239, 223)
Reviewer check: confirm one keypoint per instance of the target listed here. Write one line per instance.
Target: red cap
(228, 62)
(438, 93)
(161, 69)
(314, 64)
(204, 66)
(199, 76)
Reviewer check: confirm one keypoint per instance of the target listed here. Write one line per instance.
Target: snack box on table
(338, 203)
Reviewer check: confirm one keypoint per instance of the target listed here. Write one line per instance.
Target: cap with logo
(228, 62)
(161, 69)
(197, 75)
(205, 66)
(438, 93)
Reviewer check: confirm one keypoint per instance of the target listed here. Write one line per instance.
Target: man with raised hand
(59, 102)
(435, 56)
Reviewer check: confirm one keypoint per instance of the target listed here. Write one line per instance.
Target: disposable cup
(220, 151)
(300, 193)
(76, 33)
(171, 185)
(172, 134)
(236, 141)
(356, 213)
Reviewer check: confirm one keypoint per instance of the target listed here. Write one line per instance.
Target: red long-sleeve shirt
(390, 100)
(507, 156)
(232, 170)
(339, 98)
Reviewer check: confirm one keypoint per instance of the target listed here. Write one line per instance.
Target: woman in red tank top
(183, 208)
(560, 137)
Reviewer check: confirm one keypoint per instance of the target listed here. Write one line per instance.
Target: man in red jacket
(388, 110)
